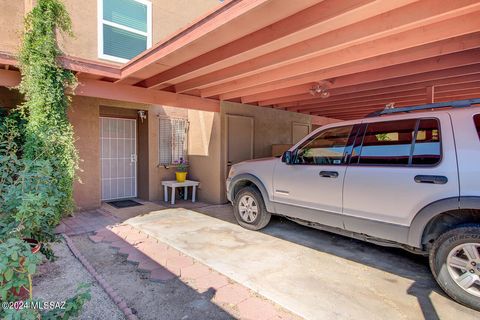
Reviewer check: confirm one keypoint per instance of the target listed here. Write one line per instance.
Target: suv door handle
(329, 174)
(431, 179)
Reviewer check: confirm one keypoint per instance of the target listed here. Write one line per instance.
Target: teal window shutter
(128, 13)
(121, 43)
(125, 28)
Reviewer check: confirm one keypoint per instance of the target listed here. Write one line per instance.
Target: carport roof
(365, 53)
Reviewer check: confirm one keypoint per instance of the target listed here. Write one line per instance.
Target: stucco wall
(208, 141)
(204, 148)
(11, 17)
(167, 17)
(158, 173)
(83, 115)
(272, 126)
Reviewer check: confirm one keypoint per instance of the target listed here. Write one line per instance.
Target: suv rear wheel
(455, 263)
(249, 209)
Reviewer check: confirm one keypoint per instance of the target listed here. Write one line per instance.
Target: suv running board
(359, 236)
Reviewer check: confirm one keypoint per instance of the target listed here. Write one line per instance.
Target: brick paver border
(163, 263)
(111, 292)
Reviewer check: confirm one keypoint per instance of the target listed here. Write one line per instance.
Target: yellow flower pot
(181, 176)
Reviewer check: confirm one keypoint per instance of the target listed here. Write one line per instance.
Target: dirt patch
(58, 281)
(150, 300)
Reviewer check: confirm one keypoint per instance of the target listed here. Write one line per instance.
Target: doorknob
(229, 163)
(329, 174)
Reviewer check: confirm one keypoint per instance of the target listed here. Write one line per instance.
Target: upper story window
(124, 28)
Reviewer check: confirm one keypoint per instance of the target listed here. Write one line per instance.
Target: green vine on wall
(48, 133)
(38, 161)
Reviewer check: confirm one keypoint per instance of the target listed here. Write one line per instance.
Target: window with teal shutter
(124, 28)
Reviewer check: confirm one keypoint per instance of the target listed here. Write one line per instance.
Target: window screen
(388, 143)
(476, 120)
(125, 28)
(326, 148)
(427, 143)
(172, 139)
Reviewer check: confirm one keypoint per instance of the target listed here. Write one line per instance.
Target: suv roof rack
(452, 104)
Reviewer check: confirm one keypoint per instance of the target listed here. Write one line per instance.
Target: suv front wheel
(249, 209)
(455, 263)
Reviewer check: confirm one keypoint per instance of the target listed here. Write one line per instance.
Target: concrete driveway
(314, 274)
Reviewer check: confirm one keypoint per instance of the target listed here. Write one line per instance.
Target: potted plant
(181, 169)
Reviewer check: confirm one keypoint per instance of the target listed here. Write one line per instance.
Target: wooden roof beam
(338, 94)
(358, 105)
(379, 25)
(336, 74)
(317, 19)
(361, 72)
(463, 80)
(406, 40)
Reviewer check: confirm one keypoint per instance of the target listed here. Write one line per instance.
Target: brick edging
(111, 292)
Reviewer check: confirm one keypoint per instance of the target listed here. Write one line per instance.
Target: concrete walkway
(314, 274)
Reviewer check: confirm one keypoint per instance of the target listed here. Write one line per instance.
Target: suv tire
(249, 209)
(452, 264)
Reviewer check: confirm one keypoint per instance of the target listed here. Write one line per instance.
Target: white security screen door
(118, 155)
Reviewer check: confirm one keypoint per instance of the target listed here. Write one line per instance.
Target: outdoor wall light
(142, 115)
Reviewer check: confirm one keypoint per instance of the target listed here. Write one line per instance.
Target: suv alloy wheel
(455, 263)
(249, 209)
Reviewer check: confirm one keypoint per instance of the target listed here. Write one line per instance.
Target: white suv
(404, 178)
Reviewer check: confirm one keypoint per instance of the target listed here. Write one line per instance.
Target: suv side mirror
(287, 157)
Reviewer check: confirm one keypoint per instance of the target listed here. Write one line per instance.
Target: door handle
(431, 179)
(329, 174)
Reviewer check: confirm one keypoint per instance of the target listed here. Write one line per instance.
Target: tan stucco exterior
(207, 138)
(167, 17)
(207, 144)
(11, 16)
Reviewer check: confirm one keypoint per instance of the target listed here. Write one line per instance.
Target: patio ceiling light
(320, 89)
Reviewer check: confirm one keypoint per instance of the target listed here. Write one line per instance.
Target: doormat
(124, 204)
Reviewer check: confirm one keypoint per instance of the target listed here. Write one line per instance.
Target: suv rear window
(427, 143)
(390, 143)
(476, 120)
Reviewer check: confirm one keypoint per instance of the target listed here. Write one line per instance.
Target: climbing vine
(48, 133)
(38, 161)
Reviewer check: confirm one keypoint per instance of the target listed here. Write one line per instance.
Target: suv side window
(325, 148)
(401, 143)
(476, 120)
(427, 149)
(388, 143)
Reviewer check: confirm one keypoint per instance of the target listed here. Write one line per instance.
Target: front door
(240, 139)
(314, 181)
(118, 144)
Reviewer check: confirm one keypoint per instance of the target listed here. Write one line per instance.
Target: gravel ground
(58, 280)
(150, 300)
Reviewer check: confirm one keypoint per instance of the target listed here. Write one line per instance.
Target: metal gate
(118, 156)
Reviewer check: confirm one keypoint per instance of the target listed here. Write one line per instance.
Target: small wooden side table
(175, 184)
